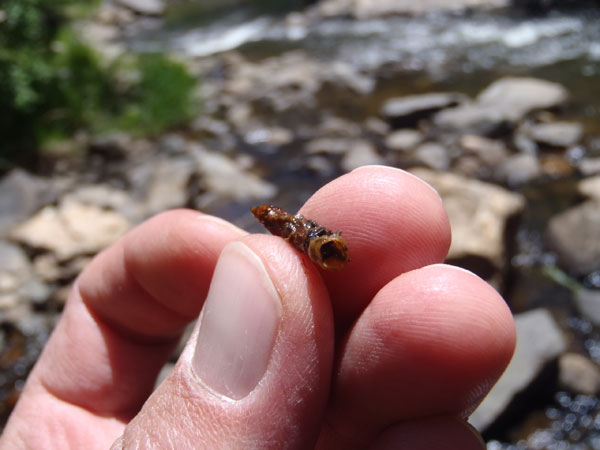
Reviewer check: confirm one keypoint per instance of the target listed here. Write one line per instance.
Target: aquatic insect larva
(324, 247)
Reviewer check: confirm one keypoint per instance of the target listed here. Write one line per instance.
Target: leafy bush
(52, 84)
(162, 98)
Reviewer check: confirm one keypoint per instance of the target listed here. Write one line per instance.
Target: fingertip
(256, 371)
(376, 170)
(174, 254)
(436, 433)
(445, 331)
(391, 220)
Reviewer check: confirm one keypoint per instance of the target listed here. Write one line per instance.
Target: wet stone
(587, 302)
(490, 152)
(403, 140)
(22, 195)
(224, 178)
(360, 153)
(539, 343)
(270, 136)
(479, 215)
(579, 374)
(408, 111)
(376, 126)
(578, 252)
(71, 229)
(504, 103)
(518, 170)
(331, 126)
(144, 7)
(590, 187)
(433, 155)
(556, 166)
(329, 146)
(557, 134)
(589, 166)
(166, 185)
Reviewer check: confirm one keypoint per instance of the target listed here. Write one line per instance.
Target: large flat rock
(407, 111)
(71, 229)
(539, 343)
(575, 237)
(479, 213)
(506, 101)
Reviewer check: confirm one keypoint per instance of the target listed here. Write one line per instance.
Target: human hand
(394, 351)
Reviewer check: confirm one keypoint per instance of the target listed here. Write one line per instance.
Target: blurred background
(112, 111)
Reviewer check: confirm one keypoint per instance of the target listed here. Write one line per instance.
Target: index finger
(393, 223)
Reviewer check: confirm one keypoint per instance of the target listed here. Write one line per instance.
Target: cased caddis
(324, 247)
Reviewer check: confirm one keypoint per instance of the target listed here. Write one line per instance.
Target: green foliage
(162, 98)
(53, 85)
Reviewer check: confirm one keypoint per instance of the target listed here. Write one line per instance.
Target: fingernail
(238, 324)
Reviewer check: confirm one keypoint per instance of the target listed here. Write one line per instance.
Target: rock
(22, 195)
(49, 269)
(110, 14)
(575, 237)
(403, 140)
(408, 111)
(376, 126)
(144, 7)
(104, 38)
(17, 282)
(167, 187)
(15, 270)
(286, 82)
(578, 374)
(489, 152)
(588, 304)
(34, 291)
(524, 144)
(506, 101)
(468, 166)
(590, 187)
(173, 144)
(589, 166)
(13, 260)
(517, 97)
(479, 216)
(105, 197)
(360, 153)
(556, 134)
(329, 146)
(433, 155)
(113, 146)
(224, 178)
(519, 169)
(539, 344)
(71, 229)
(556, 166)
(332, 126)
(321, 165)
(270, 136)
(210, 126)
(362, 9)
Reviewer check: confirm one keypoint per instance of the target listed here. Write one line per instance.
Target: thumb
(255, 372)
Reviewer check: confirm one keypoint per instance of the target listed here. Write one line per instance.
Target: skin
(394, 351)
